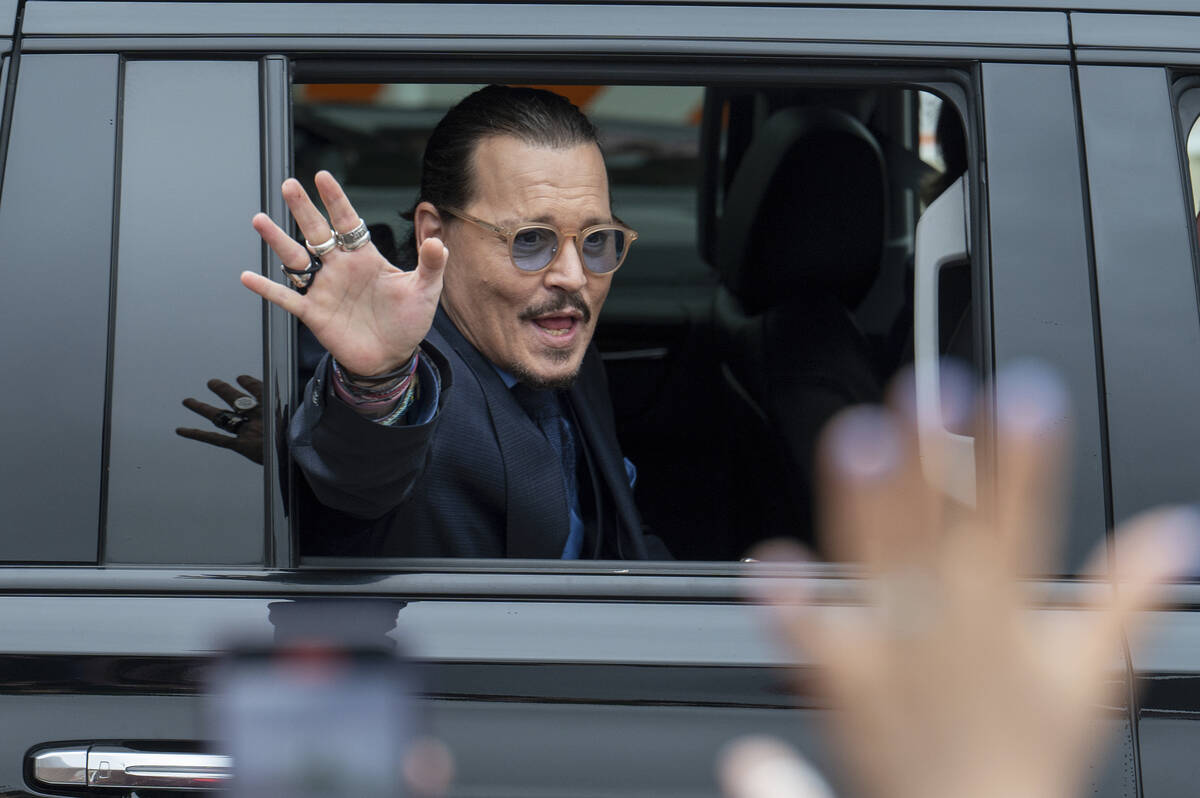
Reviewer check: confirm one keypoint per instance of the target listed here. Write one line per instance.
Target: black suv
(826, 195)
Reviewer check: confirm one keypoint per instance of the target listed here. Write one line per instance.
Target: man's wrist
(383, 380)
(382, 399)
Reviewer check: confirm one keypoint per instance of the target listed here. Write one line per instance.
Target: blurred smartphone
(314, 721)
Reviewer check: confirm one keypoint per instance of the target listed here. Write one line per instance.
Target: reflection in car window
(819, 296)
(182, 318)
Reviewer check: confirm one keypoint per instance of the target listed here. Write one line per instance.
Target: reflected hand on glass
(946, 682)
(367, 313)
(242, 419)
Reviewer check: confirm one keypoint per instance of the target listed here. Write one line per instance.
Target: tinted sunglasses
(533, 247)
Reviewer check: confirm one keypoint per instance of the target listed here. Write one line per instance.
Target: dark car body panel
(67, 147)
(596, 21)
(597, 698)
(1037, 231)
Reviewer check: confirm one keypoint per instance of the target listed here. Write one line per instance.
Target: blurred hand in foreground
(944, 685)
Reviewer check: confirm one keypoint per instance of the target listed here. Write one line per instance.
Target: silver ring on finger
(244, 404)
(324, 248)
(353, 239)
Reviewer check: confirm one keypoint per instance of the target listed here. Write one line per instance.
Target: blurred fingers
(1032, 430)
(428, 768)
(873, 503)
(937, 412)
(1151, 550)
(763, 767)
(779, 550)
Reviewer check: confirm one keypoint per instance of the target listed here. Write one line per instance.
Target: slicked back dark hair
(535, 116)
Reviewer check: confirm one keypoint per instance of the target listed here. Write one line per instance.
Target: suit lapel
(536, 506)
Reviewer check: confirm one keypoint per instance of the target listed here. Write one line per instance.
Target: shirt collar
(509, 380)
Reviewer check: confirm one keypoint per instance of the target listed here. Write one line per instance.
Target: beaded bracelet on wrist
(403, 406)
(375, 380)
(377, 385)
(365, 399)
(367, 395)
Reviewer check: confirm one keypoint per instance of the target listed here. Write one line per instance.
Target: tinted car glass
(56, 219)
(1145, 285)
(190, 181)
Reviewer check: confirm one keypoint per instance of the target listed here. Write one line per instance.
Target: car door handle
(941, 239)
(125, 768)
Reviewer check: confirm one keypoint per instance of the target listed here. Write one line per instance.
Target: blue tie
(545, 409)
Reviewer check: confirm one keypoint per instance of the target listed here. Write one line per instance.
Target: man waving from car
(462, 408)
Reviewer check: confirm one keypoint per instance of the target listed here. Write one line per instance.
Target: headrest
(807, 206)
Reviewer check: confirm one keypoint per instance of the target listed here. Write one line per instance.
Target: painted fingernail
(1030, 398)
(957, 393)
(865, 442)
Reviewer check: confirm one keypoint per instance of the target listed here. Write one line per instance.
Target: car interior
(772, 285)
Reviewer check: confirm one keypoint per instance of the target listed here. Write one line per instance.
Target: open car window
(769, 288)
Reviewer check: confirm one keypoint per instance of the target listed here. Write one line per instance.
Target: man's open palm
(367, 313)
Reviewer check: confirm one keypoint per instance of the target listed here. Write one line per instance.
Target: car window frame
(954, 81)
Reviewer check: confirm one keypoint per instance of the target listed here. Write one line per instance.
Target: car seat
(798, 244)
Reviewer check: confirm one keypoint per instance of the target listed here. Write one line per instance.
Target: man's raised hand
(367, 313)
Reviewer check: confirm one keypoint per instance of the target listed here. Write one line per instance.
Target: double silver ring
(324, 248)
(352, 240)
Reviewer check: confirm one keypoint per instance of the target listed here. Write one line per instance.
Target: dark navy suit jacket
(479, 480)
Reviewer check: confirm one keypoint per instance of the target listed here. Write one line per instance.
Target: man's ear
(427, 223)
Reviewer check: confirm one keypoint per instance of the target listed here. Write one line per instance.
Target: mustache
(560, 302)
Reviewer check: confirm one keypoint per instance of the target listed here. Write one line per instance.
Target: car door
(141, 140)
(111, 164)
(1141, 67)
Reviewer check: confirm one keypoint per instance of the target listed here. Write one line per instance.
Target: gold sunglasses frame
(579, 236)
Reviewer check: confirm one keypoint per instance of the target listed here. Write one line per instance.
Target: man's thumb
(431, 257)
